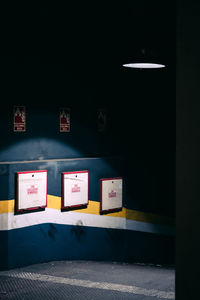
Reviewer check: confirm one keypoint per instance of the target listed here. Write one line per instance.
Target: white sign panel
(75, 189)
(31, 189)
(111, 194)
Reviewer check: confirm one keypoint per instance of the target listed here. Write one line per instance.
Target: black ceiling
(107, 32)
(84, 31)
(85, 41)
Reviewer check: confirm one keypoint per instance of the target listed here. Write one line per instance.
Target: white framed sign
(111, 194)
(75, 189)
(31, 190)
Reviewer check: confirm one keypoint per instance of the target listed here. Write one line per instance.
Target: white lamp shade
(144, 65)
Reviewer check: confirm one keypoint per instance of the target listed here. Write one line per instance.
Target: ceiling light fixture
(144, 62)
(145, 59)
(144, 65)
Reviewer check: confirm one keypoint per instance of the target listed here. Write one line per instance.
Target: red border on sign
(62, 198)
(65, 127)
(17, 191)
(23, 124)
(101, 186)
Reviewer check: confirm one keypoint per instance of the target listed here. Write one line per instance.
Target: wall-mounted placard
(19, 113)
(111, 194)
(31, 190)
(64, 119)
(101, 120)
(75, 189)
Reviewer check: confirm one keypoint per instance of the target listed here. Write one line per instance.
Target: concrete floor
(88, 280)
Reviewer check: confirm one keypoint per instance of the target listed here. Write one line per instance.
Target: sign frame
(68, 207)
(29, 209)
(116, 209)
(65, 119)
(19, 126)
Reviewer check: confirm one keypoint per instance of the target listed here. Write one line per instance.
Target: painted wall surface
(138, 151)
(50, 234)
(147, 150)
(148, 206)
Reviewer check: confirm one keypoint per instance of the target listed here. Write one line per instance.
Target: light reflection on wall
(38, 149)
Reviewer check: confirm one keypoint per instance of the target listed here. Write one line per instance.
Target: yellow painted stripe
(94, 207)
(149, 217)
(54, 202)
(7, 206)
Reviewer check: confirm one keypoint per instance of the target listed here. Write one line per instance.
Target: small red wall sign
(64, 120)
(19, 118)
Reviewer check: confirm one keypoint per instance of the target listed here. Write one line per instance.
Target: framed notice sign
(31, 190)
(110, 195)
(75, 189)
(65, 120)
(19, 118)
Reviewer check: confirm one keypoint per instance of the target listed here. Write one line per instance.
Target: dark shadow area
(73, 208)
(105, 212)
(29, 211)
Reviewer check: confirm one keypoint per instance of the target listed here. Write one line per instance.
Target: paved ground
(87, 280)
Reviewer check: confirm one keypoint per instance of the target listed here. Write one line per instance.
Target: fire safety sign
(111, 194)
(19, 118)
(64, 120)
(31, 190)
(74, 189)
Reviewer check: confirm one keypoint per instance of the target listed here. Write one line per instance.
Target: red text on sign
(76, 188)
(112, 194)
(32, 190)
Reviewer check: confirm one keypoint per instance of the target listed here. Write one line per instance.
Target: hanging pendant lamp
(146, 59)
(144, 65)
(144, 62)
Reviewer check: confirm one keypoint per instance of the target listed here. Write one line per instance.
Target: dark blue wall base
(47, 242)
(3, 250)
